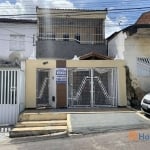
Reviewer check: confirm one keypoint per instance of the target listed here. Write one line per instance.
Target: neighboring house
(72, 68)
(132, 44)
(17, 39)
(71, 31)
(16, 46)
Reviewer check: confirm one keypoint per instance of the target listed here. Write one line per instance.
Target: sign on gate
(61, 75)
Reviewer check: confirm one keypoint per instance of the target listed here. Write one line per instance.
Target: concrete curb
(141, 114)
(69, 126)
(103, 112)
(36, 138)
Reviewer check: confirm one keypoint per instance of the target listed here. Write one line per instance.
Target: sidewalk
(4, 134)
(106, 122)
(98, 122)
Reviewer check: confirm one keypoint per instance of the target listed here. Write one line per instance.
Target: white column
(92, 92)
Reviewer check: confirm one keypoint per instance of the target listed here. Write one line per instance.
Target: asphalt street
(104, 141)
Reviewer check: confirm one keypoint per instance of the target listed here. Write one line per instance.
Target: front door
(92, 87)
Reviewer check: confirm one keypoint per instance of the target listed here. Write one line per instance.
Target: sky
(121, 13)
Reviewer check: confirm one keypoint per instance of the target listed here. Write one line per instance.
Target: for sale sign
(61, 75)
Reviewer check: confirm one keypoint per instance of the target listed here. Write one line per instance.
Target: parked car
(145, 104)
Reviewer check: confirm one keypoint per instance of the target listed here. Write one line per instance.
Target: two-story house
(72, 68)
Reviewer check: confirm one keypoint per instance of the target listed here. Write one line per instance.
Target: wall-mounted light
(45, 62)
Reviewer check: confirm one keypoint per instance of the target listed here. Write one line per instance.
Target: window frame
(17, 42)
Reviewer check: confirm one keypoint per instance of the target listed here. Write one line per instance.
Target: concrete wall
(52, 88)
(32, 65)
(137, 47)
(116, 46)
(17, 28)
(66, 49)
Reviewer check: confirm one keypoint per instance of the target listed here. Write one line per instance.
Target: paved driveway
(107, 121)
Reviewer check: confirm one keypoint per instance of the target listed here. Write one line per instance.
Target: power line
(109, 10)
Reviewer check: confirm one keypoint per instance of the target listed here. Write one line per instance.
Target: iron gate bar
(81, 87)
(4, 89)
(11, 102)
(8, 90)
(43, 87)
(1, 87)
(103, 87)
(14, 88)
(92, 88)
(110, 98)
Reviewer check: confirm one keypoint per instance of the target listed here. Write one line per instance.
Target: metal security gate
(42, 89)
(92, 87)
(9, 96)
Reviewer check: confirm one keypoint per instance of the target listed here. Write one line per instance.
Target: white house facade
(133, 45)
(17, 39)
(17, 44)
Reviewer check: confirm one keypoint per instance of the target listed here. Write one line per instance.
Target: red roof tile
(144, 18)
(95, 56)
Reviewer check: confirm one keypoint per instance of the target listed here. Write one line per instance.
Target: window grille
(89, 30)
(77, 37)
(143, 66)
(66, 37)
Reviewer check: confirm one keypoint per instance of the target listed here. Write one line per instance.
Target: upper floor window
(17, 42)
(86, 30)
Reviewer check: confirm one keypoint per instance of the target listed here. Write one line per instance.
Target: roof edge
(84, 10)
(96, 55)
(10, 20)
(142, 15)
